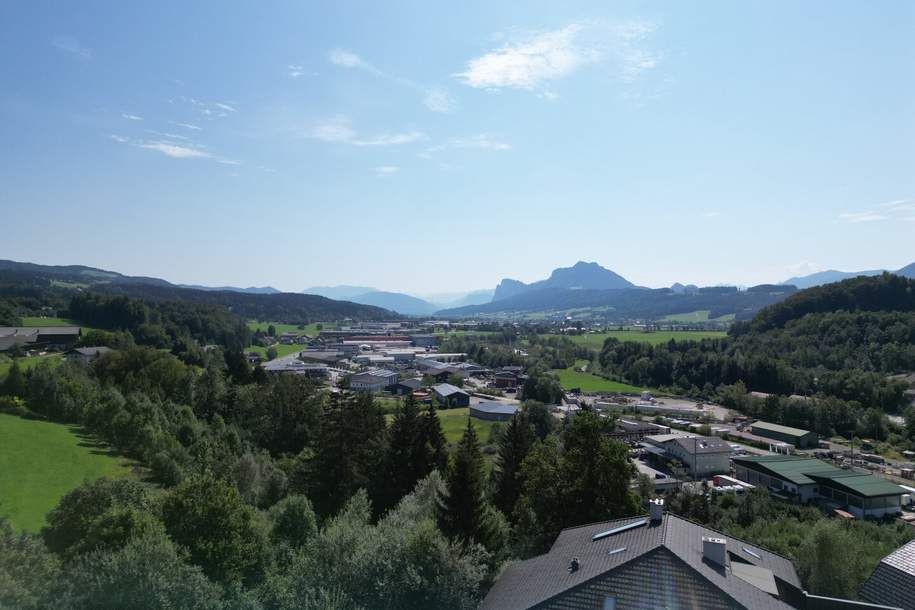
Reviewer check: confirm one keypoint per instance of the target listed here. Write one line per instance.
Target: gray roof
(703, 444)
(893, 582)
(91, 351)
(495, 407)
(446, 389)
(525, 584)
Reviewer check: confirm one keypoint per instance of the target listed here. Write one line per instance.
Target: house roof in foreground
(525, 584)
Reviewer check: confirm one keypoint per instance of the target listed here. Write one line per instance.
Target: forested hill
(841, 341)
(283, 307)
(886, 292)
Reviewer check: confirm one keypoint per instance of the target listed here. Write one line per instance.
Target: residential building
(803, 480)
(493, 411)
(893, 581)
(451, 396)
(702, 456)
(657, 561)
(87, 354)
(372, 380)
(797, 437)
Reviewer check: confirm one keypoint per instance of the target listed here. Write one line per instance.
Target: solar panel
(751, 553)
(619, 530)
(615, 551)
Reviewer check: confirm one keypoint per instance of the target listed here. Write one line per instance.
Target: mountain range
(406, 304)
(827, 277)
(580, 276)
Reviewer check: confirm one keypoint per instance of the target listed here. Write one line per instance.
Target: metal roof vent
(715, 550)
(574, 564)
(656, 509)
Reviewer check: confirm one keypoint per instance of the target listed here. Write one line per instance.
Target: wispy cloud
(712, 214)
(898, 209)
(186, 126)
(348, 59)
(131, 117)
(295, 71)
(225, 107)
(439, 100)
(533, 59)
(120, 139)
(176, 151)
(385, 170)
(72, 46)
(435, 99)
(481, 141)
(339, 130)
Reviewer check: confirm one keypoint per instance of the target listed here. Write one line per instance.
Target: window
(609, 603)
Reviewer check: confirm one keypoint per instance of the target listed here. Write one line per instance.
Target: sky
(431, 147)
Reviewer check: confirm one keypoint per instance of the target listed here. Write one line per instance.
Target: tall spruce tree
(15, 383)
(436, 444)
(463, 510)
(406, 458)
(514, 446)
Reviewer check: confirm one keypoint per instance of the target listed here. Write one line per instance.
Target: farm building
(802, 480)
(451, 396)
(57, 337)
(801, 439)
(87, 354)
(493, 411)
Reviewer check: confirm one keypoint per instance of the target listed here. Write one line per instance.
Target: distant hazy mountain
(456, 299)
(907, 271)
(580, 276)
(339, 292)
(827, 277)
(248, 290)
(395, 301)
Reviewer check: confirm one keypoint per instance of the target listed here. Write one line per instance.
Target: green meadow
(41, 461)
(595, 341)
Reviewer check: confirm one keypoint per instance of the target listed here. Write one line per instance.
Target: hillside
(396, 301)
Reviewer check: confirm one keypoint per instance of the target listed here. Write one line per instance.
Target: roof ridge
(753, 544)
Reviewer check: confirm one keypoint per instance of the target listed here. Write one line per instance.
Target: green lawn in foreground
(588, 382)
(40, 462)
(595, 341)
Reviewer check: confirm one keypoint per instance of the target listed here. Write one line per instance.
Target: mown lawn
(595, 341)
(281, 350)
(49, 322)
(40, 462)
(308, 329)
(697, 316)
(454, 422)
(588, 382)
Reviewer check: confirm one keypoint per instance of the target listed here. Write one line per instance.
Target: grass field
(588, 382)
(454, 421)
(308, 329)
(595, 341)
(49, 322)
(281, 350)
(27, 363)
(40, 462)
(697, 316)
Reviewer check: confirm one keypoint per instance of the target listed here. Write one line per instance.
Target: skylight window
(619, 530)
(615, 551)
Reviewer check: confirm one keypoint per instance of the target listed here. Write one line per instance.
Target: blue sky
(442, 146)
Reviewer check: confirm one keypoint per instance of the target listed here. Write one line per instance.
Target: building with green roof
(801, 439)
(804, 480)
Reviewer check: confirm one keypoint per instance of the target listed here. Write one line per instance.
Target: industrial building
(451, 396)
(703, 456)
(801, 439)
(493, 411)
(803, 480)
(372, 380)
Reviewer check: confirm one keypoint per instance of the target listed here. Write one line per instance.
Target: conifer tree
(514, 446)
(436, 445)
(463, 511)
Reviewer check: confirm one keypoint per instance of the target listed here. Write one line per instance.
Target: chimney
(656, 509)
(715, 550)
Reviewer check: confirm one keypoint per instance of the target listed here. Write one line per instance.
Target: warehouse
(493, 411)
(801, 439)
(802, 480)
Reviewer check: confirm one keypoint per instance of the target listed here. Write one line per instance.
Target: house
(893, 581)
(656, 561)
(405, 386)
(288, 338)
(493, 411)
(372, 380)
(797, 437)
(703, 456)
(87, 354)
(253, 358)
(802, 480)
(451, 396)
